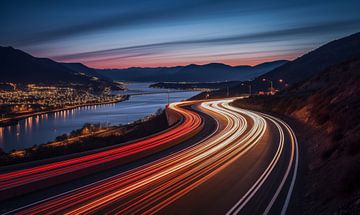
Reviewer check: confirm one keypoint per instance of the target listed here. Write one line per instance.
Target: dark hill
(300, 69)
(19, 67)
(313, 62)
(81, 68)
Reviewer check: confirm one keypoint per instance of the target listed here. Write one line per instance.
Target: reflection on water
(45, 127)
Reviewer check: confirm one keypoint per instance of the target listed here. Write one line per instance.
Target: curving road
(246, 165)
(29, 179)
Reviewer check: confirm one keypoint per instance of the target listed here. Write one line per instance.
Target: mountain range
(191, 73)
(20, 67)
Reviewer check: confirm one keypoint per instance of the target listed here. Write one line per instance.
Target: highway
(30, 179)
(247, 164)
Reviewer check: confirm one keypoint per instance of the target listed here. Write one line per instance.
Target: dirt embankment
(328, 105)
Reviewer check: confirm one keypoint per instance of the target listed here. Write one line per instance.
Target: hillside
(313, 62)
(301, 68)
(329, 103)
(191, 73)
(19, 67)
(81, 68)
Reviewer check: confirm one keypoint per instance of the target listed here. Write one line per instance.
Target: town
(31, 98)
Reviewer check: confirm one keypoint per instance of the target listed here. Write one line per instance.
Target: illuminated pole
(271, 84)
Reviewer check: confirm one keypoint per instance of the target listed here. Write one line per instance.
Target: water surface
(44, 128)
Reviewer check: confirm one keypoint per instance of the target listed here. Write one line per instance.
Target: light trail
(151, 187)
(191, 124)
(252, 191)
(154, 186)
(293, 163)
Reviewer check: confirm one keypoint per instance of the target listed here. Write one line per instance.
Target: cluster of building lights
(52, 96)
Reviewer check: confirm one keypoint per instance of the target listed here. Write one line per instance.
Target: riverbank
(97, 140)
(14, 120)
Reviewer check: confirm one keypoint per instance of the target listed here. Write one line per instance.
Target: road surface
(30, 179)
(246, 165)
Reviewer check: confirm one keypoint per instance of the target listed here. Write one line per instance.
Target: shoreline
(126, 131)
(14, 120)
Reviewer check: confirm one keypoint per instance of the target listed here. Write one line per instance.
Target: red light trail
(156, 185)
(191, 124)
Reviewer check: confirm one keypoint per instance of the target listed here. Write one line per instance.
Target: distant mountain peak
(190, 73)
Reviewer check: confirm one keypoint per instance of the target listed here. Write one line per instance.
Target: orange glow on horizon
(135, 62)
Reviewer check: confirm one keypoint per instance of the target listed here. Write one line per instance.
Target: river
(44, 128)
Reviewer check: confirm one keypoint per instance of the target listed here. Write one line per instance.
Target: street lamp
(282, 81)
(271, 84)
(249, 85)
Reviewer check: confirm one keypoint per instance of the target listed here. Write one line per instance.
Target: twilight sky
(150, 33)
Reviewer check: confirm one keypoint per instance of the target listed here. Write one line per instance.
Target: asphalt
(14, 203)
(221, 192)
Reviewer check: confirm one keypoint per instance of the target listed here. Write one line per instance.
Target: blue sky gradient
(118, 34)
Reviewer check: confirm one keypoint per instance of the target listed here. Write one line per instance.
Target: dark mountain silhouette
(19, 67)
(191, 73)
(138, 73)
(81, 68)
(313, 62)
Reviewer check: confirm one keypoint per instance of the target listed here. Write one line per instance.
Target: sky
(153, 33)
